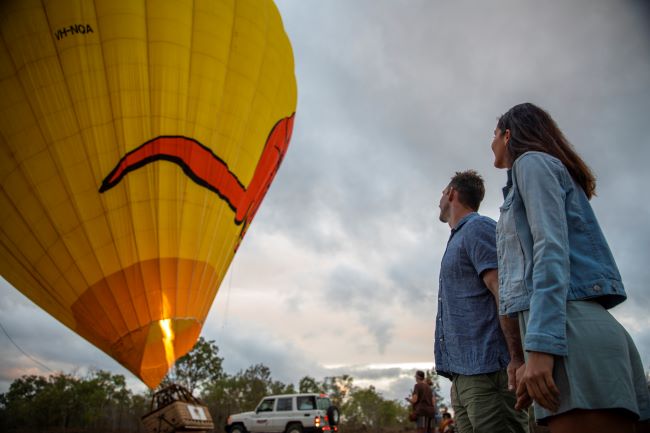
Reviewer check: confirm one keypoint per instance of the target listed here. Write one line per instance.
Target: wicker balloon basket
(175, 409)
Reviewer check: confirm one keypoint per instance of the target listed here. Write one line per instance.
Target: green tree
(55, 404)
(102, 402)
(99, 401)
(222, 398)
(365, 409)
(309, 384)
(18, 404)
(106, 400)
(138, 406)
(197, 368)
(254, 384)
(338, 388)
(276, 387)
(241, 392)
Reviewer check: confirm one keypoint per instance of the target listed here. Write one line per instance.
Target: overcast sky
(339, 271)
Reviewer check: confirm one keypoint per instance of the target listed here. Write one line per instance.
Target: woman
(557, 273)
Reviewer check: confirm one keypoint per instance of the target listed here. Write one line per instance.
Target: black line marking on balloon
(108, 184)
(186, 169)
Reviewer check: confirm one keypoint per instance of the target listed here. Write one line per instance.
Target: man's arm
(510, 328)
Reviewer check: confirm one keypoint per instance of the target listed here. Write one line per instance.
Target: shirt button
(597, 288)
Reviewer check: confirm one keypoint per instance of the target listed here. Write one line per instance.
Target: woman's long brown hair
(532, 128)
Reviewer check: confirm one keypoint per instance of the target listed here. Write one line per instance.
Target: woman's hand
(537, 382)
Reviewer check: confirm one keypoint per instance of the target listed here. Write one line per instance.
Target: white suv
(288, 413)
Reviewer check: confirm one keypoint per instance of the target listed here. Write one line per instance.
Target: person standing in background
(423, 403)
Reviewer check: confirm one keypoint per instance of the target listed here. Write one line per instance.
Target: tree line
(101, 401)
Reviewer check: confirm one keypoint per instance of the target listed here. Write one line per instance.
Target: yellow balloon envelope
(137, 140)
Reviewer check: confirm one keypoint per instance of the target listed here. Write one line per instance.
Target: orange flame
(168, 340)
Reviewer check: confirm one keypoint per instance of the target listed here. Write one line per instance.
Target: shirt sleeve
(481, 245)
(540, 181)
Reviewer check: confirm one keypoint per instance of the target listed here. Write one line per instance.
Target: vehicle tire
(237, 428)
(333, 415)
(294, 428)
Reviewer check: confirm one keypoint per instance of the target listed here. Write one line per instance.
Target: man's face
(444, 205)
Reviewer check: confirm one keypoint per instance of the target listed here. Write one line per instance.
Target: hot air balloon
(137, 140)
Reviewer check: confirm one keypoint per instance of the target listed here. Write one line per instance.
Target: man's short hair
(420, 374)
(470, 188)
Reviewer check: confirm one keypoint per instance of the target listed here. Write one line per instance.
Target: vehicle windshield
(266, 405)
(323, 403)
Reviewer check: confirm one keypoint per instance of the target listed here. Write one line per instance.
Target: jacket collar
(506, 189)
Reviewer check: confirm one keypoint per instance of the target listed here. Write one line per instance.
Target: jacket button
(597, 288)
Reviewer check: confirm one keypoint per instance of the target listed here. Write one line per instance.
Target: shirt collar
(463, 221)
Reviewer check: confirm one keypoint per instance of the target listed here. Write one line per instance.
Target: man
(475, 348)
(423, 403)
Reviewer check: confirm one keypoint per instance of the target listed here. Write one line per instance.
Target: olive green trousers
(483, 404)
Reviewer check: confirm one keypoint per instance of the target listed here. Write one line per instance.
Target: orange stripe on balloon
(205, 168)
(198, 162)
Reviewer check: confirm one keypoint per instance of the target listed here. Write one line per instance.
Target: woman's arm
(541, 183)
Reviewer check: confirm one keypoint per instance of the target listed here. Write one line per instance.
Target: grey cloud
(391, 383)
(415, 274)
(408, 131)
(642, 340)
(242, 345)
(358, 292)
(361, 372)
(377, 373)
(352, 288)
(400, 388)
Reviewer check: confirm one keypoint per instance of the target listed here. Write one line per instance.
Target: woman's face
(500, 148)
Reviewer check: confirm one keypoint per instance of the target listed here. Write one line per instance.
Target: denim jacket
(550, 250)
